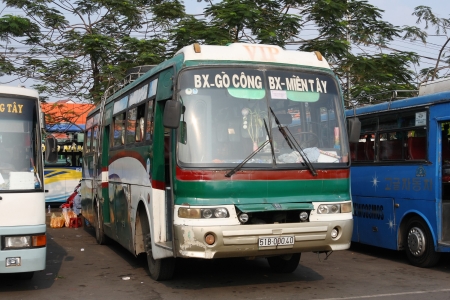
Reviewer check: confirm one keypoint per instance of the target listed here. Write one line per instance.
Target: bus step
(165, 245)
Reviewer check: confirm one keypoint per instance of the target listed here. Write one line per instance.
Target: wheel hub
(416, 241)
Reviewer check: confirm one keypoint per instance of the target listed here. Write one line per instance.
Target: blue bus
(400, 174)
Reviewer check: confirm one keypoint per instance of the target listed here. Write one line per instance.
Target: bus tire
(287, 263)
(159, 269)
(419, 244)
(100, 236)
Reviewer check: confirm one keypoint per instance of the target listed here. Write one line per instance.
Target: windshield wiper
(293, 145)
(239, 166)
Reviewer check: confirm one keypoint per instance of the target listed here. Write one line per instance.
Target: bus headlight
(202, 213)
(14, 242)
(328, 209)
(334, 208)
(221, 212)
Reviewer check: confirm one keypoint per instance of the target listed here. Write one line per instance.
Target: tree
(339, 26)
(87, 53)
(441, 25)
(79, 57)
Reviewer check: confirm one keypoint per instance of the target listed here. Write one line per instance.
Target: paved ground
(78, 268)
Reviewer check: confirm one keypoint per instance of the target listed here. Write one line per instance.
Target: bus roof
(253, 52)
(235, 52)
(19, 91)
(399, 104)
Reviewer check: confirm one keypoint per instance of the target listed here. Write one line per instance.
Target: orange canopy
(66, 112)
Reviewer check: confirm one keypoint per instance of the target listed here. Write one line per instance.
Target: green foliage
(79, 48)
(441, 25)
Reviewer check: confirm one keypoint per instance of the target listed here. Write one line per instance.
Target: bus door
(374, 221)
(107, 207)
(445, 159)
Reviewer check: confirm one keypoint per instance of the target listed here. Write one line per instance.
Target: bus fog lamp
(210, 239)
(13, 262)
(303, 216)
(206, 213)
(334, 233)
(243, 218)
(13, 242)
(220, 212)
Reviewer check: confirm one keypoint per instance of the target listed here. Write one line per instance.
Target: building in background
(65, 120)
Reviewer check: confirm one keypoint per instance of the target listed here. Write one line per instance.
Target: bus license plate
(275, 241)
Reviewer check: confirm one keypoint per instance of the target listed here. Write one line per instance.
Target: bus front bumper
(244, 240)
(26, 259)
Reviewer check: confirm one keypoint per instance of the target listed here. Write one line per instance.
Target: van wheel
(419, 244)
(100, 236)
(287, 263)
(159, 269)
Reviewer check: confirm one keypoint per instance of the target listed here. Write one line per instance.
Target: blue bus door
(445, 153)
(374, 221)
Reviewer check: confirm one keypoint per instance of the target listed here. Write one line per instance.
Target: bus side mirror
(354, 129)
(51, 149)
(172, 114)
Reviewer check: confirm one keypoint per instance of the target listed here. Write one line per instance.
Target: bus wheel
(159, 269)
(420, 247)
(284, 263)
(100, 236)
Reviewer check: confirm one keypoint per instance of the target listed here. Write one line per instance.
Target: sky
(397, 12)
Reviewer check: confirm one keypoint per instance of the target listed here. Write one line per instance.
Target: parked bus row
(243, 151)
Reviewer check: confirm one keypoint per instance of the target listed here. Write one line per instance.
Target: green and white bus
(23, 241)
(221, 151)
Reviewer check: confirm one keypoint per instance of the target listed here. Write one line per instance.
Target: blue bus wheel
(419, 244)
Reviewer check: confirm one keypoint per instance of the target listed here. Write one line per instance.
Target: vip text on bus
(22, 200)
(221, 151)
(400, 174)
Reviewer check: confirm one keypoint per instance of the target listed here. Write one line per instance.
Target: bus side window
(149, 126)
(94, 138)
(119, 130)
(87, 145)
(417, 145)
(140, 123)
(131, 125)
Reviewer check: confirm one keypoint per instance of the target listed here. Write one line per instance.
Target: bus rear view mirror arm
(51, 149)
(354, 130)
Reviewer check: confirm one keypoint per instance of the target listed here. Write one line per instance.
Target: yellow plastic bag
(56, 222)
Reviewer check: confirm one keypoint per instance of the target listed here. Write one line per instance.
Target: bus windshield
(19, 169)
(227, 115)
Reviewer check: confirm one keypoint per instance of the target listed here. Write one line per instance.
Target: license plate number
(275, 241)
